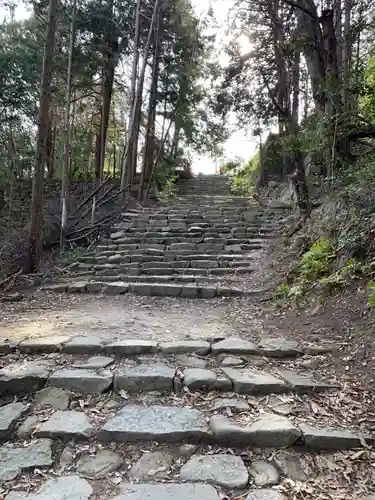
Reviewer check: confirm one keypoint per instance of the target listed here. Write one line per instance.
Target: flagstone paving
(175, 401)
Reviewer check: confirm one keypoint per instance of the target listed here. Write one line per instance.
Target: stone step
(165, 239)
(276, 348)
(136, 423)
(196, 228)
(178, 248)
(169, 268)
(147, 289)
(171, 243)
(156, 255)
(99, 374)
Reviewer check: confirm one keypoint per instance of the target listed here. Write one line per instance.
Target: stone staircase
(137, 420)
(108, 415)
(198, 245)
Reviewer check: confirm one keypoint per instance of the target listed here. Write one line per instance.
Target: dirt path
(128, 316)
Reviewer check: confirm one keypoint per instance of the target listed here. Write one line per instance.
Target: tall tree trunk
(112, 48)
(35, 235)
(332, 84)
(138, 95)
(347, 54)
(151, 117)
(313, 51)
(295, 86)
(67, 128)
(338, 18)
(131, 157)
(50, 157)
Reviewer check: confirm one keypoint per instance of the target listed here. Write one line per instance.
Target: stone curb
(172, 424)
(79, 344)
(147, 289)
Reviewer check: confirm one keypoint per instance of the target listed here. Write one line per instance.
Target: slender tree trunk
(347, 54)
(151, 117)
(313, 50)
(131, 160)
(295, 86)
(35, 235)
(67, 129)
(338, 32)
(332, 83)
(138, 96)
(50, 148)
(111, 44)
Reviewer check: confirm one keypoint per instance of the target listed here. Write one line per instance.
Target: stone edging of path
(145, 289)
(91, 344)
(169, 424)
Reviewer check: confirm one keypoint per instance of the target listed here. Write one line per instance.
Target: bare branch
(301, 7)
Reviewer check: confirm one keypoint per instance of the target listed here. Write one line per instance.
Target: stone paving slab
(247, 381)
(84, 344)
(166, 492)
(94, 363)
(227, 471)
(234, 404)
(23, 378)
(7, 346)
(44, 344)
(196, 379)
(83, 381)
(271, 431)
(99, 465)
(141, 378)
(302, 384)
(61, 488)
(131, 347)
(264, 473)
(68, 424)
(331, 439)
(152, 465)
(185, 347)
(265, 495)
(279, 348)
(16, 459)
(9, 415)
(53, 397)
(159, 423)
(234, 345)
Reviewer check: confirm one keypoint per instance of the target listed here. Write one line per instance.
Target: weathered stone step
(63, 487)
(108, 256)
(194, 230)
(192, 238)
(195, 280)
(164, 424)
(152, 376)
(154, 249)
(156, 289)
(230, 246)
(163, 269)
(276, 348)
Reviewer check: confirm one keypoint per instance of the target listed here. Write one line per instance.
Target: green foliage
(165, 180)
(316, 262)
(371, 295)
(273, 156)
(232, 167)
(71, 255)
(243, 176)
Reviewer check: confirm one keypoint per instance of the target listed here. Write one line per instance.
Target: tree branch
(300, 7)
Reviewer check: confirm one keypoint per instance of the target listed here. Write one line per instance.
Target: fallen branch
(114, 196)
(89, 197)
(10, 278)
(99, 222)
